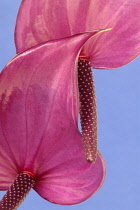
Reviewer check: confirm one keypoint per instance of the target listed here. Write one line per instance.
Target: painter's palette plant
(41, 146)
(50, 19)
(47, 84)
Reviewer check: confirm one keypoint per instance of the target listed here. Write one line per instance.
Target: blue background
(119, 132)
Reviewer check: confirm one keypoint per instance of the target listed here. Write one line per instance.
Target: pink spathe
(38, 123)
(50, 19)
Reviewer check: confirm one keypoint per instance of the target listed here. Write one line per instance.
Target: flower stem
(88, 112)
(17, 192)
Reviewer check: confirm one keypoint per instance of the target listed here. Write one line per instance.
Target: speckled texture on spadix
(17, 192)
(88, 113)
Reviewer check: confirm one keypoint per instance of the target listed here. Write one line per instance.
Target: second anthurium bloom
(50, 19)
(40, 144)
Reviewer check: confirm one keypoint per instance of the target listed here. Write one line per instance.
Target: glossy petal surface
(51, 19)
(38, 123)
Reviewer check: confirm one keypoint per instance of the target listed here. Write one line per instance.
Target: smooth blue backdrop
(119, 132)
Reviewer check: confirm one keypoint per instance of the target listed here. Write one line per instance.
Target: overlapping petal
(50, 19)
(38, 123)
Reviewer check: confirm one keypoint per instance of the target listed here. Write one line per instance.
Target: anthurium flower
(40, 144)
(50, 19)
